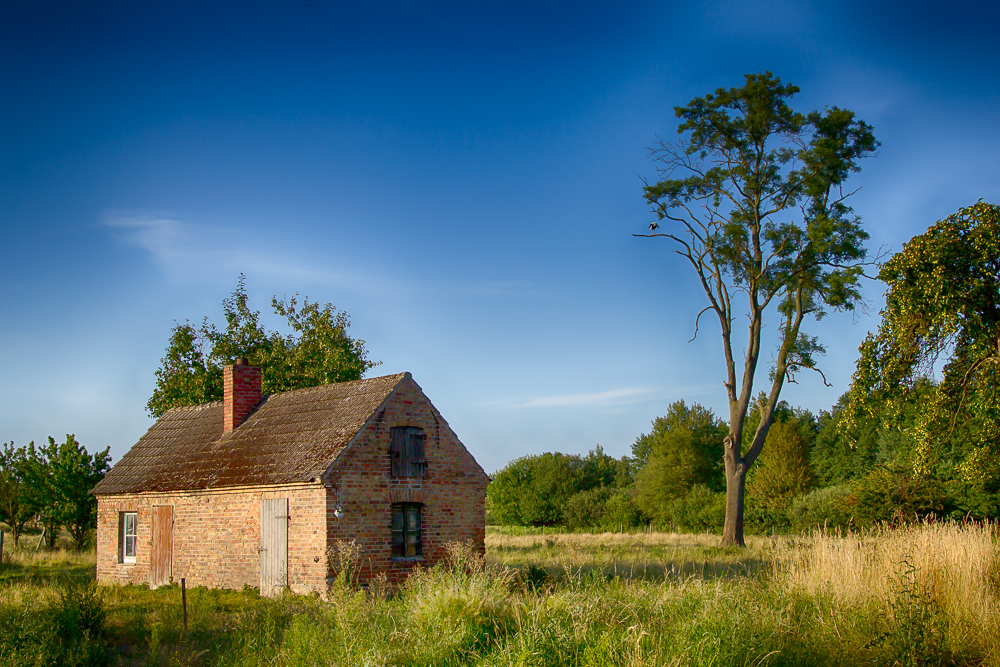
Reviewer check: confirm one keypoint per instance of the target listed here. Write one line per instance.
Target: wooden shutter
(273, 545)
(397, 444)
(161, 550)
(417, 461)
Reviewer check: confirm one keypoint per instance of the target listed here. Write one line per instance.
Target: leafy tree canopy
(534, 490)
(18, 503)
(681, 450)
(943, 302)
(753, 197)
(68, 473)
(317, 351)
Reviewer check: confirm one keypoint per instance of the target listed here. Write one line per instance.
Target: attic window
(406, 542)
(406, 451)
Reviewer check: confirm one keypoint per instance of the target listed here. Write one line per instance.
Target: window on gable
(406, 451)
(129, 525)
(406, 542)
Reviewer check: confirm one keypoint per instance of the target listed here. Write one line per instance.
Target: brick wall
(452, 494)
(216, 536)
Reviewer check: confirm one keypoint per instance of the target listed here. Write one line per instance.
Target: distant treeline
(813, 471)
(49, 487)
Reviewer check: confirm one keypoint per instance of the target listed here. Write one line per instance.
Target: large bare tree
(753, 197)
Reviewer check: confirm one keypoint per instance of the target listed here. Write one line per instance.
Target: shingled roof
(290, 437)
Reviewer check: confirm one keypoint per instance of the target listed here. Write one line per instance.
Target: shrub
(587, 508)
(829, 508)
(620, 511)
(700, 510)
(891, 494)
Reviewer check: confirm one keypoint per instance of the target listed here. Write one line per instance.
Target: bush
(896, 495)
(587, 508)
(700, 510)
(620, 511)
(829, 508)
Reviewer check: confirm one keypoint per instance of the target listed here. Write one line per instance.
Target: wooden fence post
(184, 603)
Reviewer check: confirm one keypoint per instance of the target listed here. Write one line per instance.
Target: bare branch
(698, 319)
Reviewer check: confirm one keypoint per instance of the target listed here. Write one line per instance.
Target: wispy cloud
(199, 251)
(612, 400)
(600, 399)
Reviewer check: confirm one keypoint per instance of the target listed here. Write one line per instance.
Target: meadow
(924, 594)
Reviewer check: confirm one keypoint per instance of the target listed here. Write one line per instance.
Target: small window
(129, 522)
(406, 541)
(406, 451)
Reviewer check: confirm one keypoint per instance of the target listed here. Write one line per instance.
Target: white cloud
(608, 398)
(190, 250)
(598, 399)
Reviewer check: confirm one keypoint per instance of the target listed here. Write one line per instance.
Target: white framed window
(130, 521)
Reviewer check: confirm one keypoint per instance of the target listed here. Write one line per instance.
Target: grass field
(920, 595)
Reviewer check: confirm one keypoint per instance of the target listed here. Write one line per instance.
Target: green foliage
(532, 490)
(317, 351)
(60, 476)
(587, 508)
(18, 501)
(700, 510)
(830, 507)
(52, 482)
(680, 451)
(66, 632)
(943, 301)
(889, 494)
(620, 511)
(755, 198)
(782, 471)
(536, 490)
(837, 456)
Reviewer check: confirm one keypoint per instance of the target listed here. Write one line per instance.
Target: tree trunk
(732, 530)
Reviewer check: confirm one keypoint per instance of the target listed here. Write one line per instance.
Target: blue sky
(464, 182)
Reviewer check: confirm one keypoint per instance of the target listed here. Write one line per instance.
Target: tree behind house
(317, 351)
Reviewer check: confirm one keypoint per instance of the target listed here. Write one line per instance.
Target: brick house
(254, 490)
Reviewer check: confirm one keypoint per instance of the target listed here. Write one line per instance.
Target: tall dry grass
(953, 567)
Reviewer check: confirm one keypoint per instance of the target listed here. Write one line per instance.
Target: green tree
(837, 457)
(942, 303)
(317, 351)
(753, 199)
(680, 451)
(536, 490)
(62, 475)
(18, 505)
(782, 472)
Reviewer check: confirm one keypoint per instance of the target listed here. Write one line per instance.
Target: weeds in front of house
(923, 595)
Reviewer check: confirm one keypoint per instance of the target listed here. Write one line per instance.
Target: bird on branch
(653, 227)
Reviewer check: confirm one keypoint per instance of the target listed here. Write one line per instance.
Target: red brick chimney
(241, 393)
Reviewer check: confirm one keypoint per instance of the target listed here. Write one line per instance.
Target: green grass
(924, 597)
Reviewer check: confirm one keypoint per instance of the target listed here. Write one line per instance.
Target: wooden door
(161, 546)
(273, 545)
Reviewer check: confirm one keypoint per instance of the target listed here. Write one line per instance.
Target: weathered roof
(291, 437)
